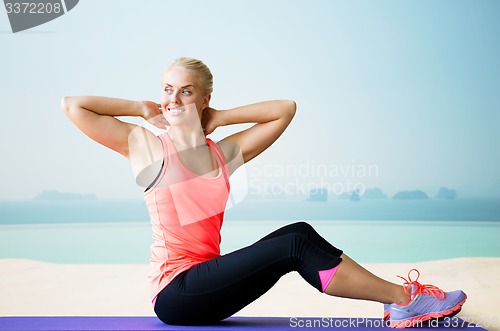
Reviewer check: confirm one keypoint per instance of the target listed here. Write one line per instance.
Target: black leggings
(216, 289)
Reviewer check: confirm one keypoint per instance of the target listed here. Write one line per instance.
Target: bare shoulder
(145, 155)
(232, 153)
(142, 141)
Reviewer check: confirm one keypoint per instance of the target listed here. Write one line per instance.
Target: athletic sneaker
(426, 302)
(387, 312)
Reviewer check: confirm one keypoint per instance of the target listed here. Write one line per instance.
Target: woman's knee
(302, 228)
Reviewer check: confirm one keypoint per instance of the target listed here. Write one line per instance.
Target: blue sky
(412, 87)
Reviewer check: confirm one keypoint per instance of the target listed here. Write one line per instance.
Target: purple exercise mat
(145, 323)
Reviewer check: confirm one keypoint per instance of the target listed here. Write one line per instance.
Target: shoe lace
(425, 289)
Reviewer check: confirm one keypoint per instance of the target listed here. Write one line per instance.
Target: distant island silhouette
(357, 195)
(446, 193)
(374, 193)
(318, 194)
(410, 195)
(56, 195)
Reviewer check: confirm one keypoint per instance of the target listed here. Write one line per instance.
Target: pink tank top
(186, 212)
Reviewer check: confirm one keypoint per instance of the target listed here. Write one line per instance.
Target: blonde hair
(200, 69)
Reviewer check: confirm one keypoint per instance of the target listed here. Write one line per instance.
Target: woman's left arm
(271, 118)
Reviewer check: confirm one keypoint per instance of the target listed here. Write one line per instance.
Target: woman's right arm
(95, 116)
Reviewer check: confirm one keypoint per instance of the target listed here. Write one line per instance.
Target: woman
(186, 180)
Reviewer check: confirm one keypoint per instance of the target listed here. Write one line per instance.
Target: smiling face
(182, 98)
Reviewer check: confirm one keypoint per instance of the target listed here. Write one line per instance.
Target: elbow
(65, 101)
(68, 103)
(291, 108)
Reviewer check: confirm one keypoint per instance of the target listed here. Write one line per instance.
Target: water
(110, 211)
(366, 241)
(47, 212)
(370, 230)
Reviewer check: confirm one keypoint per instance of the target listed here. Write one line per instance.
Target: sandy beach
(33, 288)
